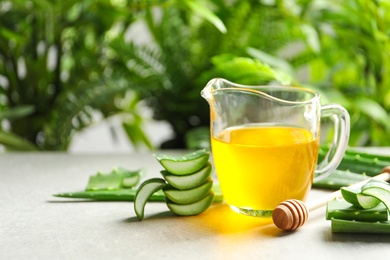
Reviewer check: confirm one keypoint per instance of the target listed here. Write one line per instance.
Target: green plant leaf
(10, 35)
(198, 138)
(271, 60)
(14, 142)
(17, 112)
(202, 11)
(374, 110)
(137, 136)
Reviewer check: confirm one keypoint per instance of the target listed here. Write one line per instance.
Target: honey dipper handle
(384, 176)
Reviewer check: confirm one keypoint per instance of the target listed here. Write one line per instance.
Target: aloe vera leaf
(145, 190)
(341, 209)
(352, 226)
(365, 154)
(118, 178)
(379, 190)
(188, 196)
(184, 164)
(191, 209)
(184, 182)
(109, 195)
(125, 195)
(338, 179)
(370, 167)
(359, 200)
(354, 152)
(360, 162)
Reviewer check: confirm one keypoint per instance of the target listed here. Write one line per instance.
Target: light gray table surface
(36, 225)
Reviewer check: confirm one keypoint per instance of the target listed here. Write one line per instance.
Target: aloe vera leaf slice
(358, 199)
(341, 209)
(185, 182)
(130, 178)
(188, 196)
(184, 164)
(109, 195)
(145, 190)
(218, 196)
(379, 190)
(352, 226)
(338, 179)
(102, 181)
(118, 178)
(191, 209)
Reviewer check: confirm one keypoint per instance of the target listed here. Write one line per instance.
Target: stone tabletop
(36, 225)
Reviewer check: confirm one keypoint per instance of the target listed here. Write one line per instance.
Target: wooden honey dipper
(292, 214)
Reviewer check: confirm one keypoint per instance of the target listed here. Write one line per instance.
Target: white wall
(109, 137)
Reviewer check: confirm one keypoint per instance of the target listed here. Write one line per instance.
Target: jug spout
(207, 92)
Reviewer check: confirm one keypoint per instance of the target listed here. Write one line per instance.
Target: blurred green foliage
(339, 48)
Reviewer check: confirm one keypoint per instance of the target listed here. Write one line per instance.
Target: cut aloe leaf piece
(130, 178)
(185, 182)
(188, 196)
(218, 196)
(191, 209)
(379, 190)
(341, 209)
(184, 164)
(144, 192)
(352, 226)
(358, 199)
(118, 178)
(102, 181)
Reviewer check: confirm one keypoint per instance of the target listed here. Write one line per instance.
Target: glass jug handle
(340, 117)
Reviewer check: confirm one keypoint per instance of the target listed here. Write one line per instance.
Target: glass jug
(265, 142)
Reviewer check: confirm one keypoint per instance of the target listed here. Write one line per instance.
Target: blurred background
(124, 75)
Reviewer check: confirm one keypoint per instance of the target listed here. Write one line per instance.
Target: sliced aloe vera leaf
(145, 190)
(352, 226)
(118, 178)
(130, 178)
(188, 196)
(341, 209)
(191, 209)
(102, 181)
(358, 199)
(109, 195)
(379, 190)
(185, 182)
(184, 164)
(218, 196)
